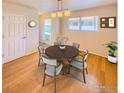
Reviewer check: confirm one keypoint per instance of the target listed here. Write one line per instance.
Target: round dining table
(55, 52)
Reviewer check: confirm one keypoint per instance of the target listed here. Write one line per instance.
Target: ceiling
(51, 5)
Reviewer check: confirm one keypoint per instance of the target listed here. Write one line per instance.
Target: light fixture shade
(53, 15)
(67, 13)
(59, 13)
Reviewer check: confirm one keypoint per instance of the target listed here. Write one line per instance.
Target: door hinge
(2, 36)
(2, 55)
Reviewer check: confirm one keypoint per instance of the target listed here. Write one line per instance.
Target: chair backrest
(41, 50)
(49, 61)
(85, 55)
(57, 43)
(76, 45)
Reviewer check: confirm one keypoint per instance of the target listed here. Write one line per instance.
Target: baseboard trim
(98, 54)
(36, 51)
(95, 54)
(19, 58)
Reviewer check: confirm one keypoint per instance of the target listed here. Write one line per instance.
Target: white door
(14, 37)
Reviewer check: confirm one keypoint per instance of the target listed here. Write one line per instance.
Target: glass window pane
(47, 29)
(89, 23)
(74, 23)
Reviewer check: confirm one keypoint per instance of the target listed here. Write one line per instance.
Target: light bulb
(60, 14)
(53, 15)
(67, 13)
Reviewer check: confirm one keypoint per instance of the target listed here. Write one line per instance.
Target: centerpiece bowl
(62, 47)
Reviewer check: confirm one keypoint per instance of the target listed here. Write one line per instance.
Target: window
(47, 29)
(89, 23)
(74, 23)
(83, 23)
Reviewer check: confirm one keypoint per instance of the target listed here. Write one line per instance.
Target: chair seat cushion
(50, 69)
(78, 65)
(78, 58)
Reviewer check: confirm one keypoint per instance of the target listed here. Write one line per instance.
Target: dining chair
(76, 45)
(81, 64)
(41, 51)
(52, 68)
(57, 43)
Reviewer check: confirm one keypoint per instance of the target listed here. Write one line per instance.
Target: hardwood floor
(24, 76)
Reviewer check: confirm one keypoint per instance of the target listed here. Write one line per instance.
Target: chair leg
(41, 59)
(44, 79)
(63, 70)
(69, 69)
(84, 76)
(55, 84)
(39, 62)
(69, 66)
(86, 70)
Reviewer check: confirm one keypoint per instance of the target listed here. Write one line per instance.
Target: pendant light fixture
(60, 12)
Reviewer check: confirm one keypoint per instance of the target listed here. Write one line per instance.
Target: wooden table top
(55, 52)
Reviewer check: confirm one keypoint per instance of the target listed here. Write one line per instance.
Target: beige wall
(94, 41)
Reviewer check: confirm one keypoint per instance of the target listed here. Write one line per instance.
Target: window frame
(80, 30)
(73, 29)
(45, 31)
